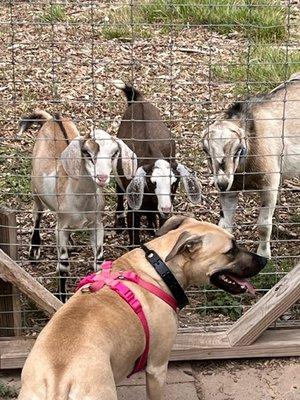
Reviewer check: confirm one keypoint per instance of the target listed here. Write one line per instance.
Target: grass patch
(255, 19)
(54, 13)
(122, 25)
(15, 168)
(6, 392)
(267, 67)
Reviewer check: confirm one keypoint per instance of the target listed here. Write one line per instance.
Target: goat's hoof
(34, 253)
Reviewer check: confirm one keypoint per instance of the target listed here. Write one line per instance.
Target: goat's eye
(86, 154)
(237, 153)
(115, 154)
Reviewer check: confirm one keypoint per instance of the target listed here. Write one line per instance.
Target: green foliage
(266, 68)
(54, 13)
(223, 303)
(15, 166)
(7, 392)
(120, 26)
(259, 20)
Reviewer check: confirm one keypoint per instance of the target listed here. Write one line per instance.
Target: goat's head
(96, 155)
(162, 178)
(225, 146)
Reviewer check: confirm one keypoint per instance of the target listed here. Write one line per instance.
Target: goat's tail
(130, 92)
(38, 116)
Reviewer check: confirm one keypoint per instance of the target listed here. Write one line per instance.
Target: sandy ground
(261, 379)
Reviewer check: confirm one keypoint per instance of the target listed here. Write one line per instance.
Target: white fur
(119, 84)
(164, 177)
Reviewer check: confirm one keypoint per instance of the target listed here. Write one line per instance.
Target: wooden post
(10, 271)
(10, 307)
(270, 307)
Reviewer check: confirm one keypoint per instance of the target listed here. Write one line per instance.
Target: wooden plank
(10, 307)
(188, 346)
(272, 343)
(12, 272)
(270, 307)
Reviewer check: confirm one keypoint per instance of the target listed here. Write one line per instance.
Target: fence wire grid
(191, 59)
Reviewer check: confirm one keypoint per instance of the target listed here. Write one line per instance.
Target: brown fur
(93, 341)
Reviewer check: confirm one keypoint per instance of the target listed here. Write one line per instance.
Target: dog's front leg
(155, 381)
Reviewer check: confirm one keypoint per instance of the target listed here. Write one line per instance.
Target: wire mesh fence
(192, 60)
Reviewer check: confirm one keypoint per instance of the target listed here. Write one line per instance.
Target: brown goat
(151, 191)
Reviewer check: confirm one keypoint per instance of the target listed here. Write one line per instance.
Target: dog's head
(207, 253)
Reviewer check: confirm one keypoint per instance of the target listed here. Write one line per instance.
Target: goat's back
(144, 131)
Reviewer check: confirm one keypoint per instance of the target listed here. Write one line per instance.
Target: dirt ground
(261, 379)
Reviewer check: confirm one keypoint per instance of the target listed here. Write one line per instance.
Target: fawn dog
(94, 340)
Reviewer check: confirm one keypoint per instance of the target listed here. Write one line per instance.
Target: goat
(256, 145)
(158, 172)
(69, 172)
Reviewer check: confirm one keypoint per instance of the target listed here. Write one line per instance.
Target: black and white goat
(68, 174)
(151, 191)
(255, 147)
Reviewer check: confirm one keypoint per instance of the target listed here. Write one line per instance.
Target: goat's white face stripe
(108, 147)
(163, 177)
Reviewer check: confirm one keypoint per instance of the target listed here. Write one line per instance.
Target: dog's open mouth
(231, 284)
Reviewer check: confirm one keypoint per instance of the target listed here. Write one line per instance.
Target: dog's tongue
(244, 282)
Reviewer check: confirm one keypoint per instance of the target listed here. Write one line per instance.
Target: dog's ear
(170, 224)
(185, 242)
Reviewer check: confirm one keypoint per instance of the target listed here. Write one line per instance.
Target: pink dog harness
(97, 281)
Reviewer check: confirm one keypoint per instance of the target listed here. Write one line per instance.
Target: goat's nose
(222, 185)
(166, 210)
(101, 179)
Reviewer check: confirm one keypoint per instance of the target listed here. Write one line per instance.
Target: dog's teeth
(243, 287)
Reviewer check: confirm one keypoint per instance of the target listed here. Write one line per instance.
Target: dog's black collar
(162, 269)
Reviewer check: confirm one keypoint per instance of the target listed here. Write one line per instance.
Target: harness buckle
(86, 289)
(136, 305)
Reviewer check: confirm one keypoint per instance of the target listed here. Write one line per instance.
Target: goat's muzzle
(102, 180)
(222, 185)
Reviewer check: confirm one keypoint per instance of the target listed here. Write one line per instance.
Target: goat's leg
(133, 224)
(97, 236)
(120, 212)
(151, 221)
(37, 213)
(264, 222)
(63, 266)
(228, 203)
(155, 381)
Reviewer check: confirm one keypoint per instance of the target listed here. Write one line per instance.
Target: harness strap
(97, 281)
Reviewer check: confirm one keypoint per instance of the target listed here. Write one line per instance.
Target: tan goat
(254, 148)
(68, 174)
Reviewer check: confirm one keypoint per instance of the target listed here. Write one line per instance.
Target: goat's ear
(71, 158)
(191, 184)
(171, 224)
(128, 159)
(185, 243)
(135, 189)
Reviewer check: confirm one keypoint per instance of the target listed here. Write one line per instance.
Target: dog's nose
(262, 261)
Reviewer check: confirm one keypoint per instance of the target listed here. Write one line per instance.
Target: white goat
(256, 146)
(68, 174)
